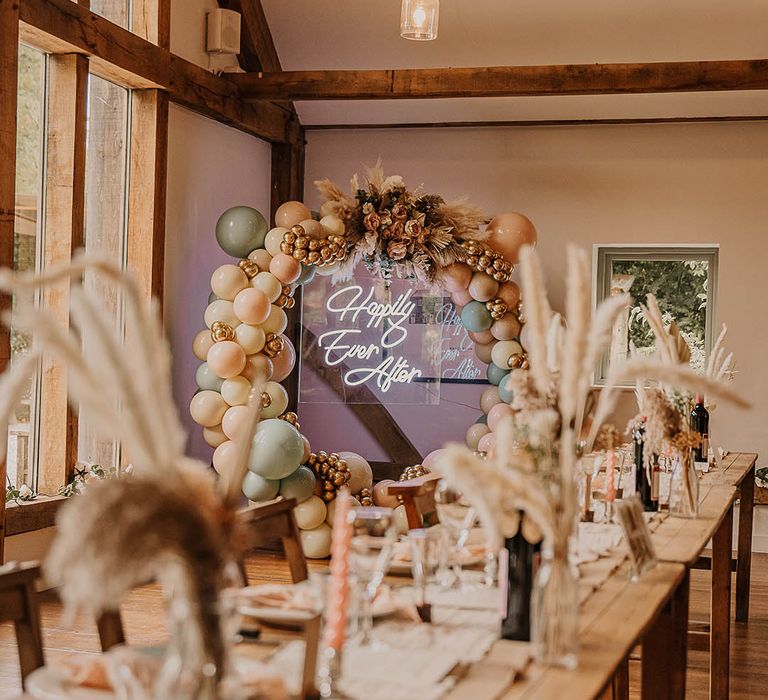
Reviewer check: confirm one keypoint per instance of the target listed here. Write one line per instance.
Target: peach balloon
(227, 281)
(509, 293)
(509, 232)
(258, 365)
(226, 359)
(291, 213)
(489, 398)
(483, 352)
(225, 456)
(214, 436)
(233, 420)
(269, 284)
(276, 322)
(432, 460)
(474, 433)
(284, 361)
(251, 338)
(207, 408)
(461, 298)
(221, 310)
(333, 225)
(483, 287)
(312, 228)
(495, 415)
(285, 268)
(487, 443)
(483, 337)
(381, 497)
(456, 277)
(506, 328)
(202, 344)
(261, 257)
(251, 306)
(307, 451)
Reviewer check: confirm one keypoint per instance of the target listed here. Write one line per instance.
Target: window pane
(680, 286)
(105, 190)
(117, 11)
(26, 239)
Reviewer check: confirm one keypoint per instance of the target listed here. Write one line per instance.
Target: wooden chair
(418, 498)
(19, 604)
(262, 524)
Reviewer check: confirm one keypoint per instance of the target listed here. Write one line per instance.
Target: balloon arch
(391, 231)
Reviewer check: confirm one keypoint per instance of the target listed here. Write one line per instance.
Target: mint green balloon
(241, 230)
(505, 390)
(495, 374)
(307, 274)
(277, 449)
(257, 488)
(475, 317)
(298, 485)
(206, 379)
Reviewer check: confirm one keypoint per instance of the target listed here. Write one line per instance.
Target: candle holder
(330, 674)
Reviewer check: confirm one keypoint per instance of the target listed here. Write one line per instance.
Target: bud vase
(555, 610)
(684, 487)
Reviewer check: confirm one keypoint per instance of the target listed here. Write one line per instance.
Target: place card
(631, 516)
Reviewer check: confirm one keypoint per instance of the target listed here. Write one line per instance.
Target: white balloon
(273, 240)
(277, 321)
(251, 338)
(227, 281)
(214, 436)
(221, 310)
(269, 284)
(235, 391)
(279, 400)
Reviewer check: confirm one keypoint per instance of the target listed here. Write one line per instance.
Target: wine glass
(457, 516)
(426, 551)
(373, 537)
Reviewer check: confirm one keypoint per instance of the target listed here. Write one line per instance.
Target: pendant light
(418, 19)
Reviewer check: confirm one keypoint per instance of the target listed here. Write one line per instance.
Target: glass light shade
(418, 19)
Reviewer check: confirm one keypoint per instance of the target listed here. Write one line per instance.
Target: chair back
(19, 604)
(418, 496)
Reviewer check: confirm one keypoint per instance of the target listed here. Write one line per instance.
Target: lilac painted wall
(211, 167)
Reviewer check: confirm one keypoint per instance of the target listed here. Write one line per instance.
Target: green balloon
(277, 449)
(475, 317)
(298, 485)
(241, 230)
(483, 419)
(206, 379)
(212, 297)
(505, 390)
(307, 274)
(495, 374)
(257, 488)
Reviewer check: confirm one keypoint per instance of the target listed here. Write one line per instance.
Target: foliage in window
(680, 287)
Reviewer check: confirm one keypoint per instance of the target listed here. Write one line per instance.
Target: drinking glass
(457, 516)
(373, 537)
(426, 550)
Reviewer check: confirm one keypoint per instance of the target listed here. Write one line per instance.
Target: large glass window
(106, 181)
(117, 11)
(30, 149)
(683, 280)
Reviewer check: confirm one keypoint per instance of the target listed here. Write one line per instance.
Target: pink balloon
(432, 460)
(483, 337)
(381, 497)
(251, 306)
(509, 232)
(285, 268)
(497, 414)
(456, 277)
(284, 361)
(487, 443)
(474, 433)
(461, 298)
(226, 359)
(291, 213)
(509, 292)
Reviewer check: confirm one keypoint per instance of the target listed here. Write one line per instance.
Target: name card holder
(638, 536)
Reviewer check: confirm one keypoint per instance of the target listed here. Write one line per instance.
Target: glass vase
(555, 610)
(520, 554)
(684, 487)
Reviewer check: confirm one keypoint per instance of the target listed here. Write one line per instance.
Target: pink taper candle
(610, 476)
(336, 618)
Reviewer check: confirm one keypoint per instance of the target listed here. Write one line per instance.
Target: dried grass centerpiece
(533, 467)
(169, 520)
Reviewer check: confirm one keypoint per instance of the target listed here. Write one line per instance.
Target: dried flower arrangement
(168, 520)
(393, 229)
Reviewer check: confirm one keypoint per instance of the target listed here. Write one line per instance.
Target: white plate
(51, 684)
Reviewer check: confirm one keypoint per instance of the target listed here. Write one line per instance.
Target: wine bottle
(519, 585)
(643, 486)
(700, 425)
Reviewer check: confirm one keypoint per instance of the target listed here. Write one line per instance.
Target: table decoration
(168, 520)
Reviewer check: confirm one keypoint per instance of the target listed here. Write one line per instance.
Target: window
(117, 11)
(106, 184)
(30, 150)
(683, 279)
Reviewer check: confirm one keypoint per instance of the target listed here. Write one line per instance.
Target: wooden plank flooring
(143, 616)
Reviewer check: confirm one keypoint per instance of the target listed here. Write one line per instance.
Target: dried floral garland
(392, 229)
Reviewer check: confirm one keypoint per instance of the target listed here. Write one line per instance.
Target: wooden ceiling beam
(506, 81)
(62, 26)
(257, 49)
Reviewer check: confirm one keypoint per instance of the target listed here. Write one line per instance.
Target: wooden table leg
(744, 557)
(720, 637)
(620, 683)
(665, 649)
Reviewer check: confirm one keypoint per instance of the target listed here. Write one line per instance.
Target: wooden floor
(143, 616)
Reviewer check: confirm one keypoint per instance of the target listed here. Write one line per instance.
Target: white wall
(672, 183)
